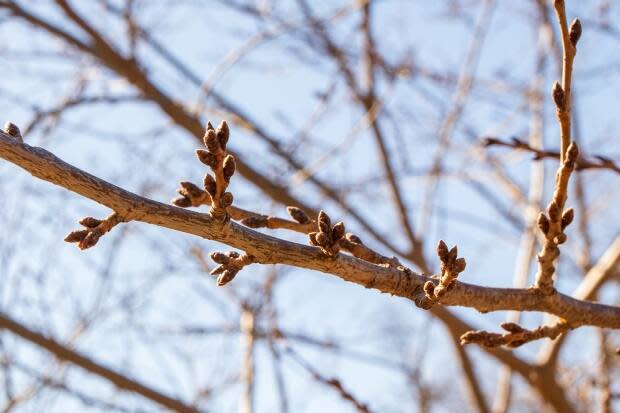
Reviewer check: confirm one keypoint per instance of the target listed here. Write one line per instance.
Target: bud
(220, 257)
(338, 231)
(442, 250)
(90, 240)
(226, 277)
(11, 129)
(76, 236)
(572, 152)
(190, 189)
(226, 200)
(229, 167)
(561, 238)
(182, 202)
(207, 158)
(558, 95)
(324, 222)
(322, 239)
(459, 265)
(574, 33)
(543, 223)
(298, 215)
(554, 211)
(255, 222)
(222, 134)
(567, 217)
(210, 185)
(90, 222)
(312, 238)
(210, 141)
(512, 327)
(429, 289)
(209, 126)
(354, 238)
(452, 254)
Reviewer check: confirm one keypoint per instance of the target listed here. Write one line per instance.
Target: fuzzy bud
(76, 236)
(442, 250)
(209, 126)
(90, 222)
(226, 200)
(543, 223)
(229, 167)
(298, 215)
(182, 202)
(210, 184)
(223, 134)
(207, 158)
(89, 241)
(312, 239)
(12, 130)
(324, 222)
(574, 33)
(353, 238)
(210, 141)
(226, 277)
(554, 211)
(558, 95)
(572, 152)
(452, 254)
(322, 239)
(255, 222)
(220, 257)
(512, 327)
(190, 189)
(561, 238)
(567, 217)
(338, 231)
(459, 265)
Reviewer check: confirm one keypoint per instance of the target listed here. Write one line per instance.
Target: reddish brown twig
(516, 335)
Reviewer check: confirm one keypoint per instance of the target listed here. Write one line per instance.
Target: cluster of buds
(13, 131)
(229, 265)
(94, 229)
(190, 196)
(515, 335)
(451, 267)
(222, 165)
(328, 237)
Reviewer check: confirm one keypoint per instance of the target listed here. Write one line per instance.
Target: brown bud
(209, 126)
(459, 265)
(218, 270)
(574, 32)
(561, 238)
(512, 327)
(210, 185)
(255, 222)
(182, 202)
(90, 240)
(226, 200)
(452, 254)
(567, 217)
(325, 223)
(76, 236)
(234, 254)
(554, 211)
(354, 238)
(207, 158)
(298, 215)
(210, 141)
(90, 222)
(442, 250)
(558, 95)
(572, 152)
(229, 167)
(191, 189)
(429, 289)
(220, 257)
(11, 129)
(543, 223)
(338, 231)
(226, 277)
(312, 239)
(222, 134)
(323, 239)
